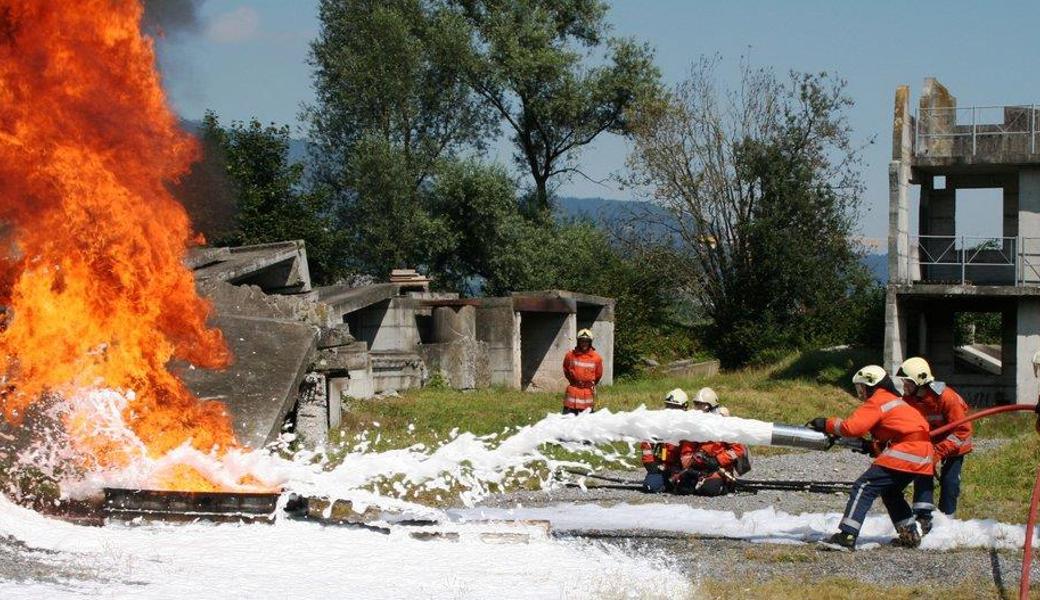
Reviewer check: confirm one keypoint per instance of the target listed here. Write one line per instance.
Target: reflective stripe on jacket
(583, 371)
(940, 409)
(896, 426)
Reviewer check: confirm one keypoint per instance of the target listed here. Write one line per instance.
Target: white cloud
(239, 25)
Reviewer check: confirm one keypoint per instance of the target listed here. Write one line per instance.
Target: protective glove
(819, 424)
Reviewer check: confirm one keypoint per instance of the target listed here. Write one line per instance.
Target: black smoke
(168, 18)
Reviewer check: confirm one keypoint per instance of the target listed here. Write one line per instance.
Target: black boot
(909, 535)
(926, 525)
(841, 542)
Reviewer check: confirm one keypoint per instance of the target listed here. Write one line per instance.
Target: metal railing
(957, 131)
(974, 260)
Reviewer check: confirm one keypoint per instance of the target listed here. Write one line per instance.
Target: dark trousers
(877, 481)
(655, 482)
(689, 483)
(950, 489)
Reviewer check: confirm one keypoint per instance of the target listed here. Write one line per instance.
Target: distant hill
(877, 264)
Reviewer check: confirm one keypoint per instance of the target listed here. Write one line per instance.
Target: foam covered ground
(304, 560)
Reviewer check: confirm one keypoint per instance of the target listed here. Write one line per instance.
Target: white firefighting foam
(474, 464)
(764, 525)
(304, 560)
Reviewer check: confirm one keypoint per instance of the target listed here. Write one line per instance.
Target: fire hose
(1027, 550)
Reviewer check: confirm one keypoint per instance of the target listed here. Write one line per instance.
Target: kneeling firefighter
(903, 451)
(700, 468)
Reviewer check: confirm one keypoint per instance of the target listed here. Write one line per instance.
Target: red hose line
(982, 413)
(1027, 550)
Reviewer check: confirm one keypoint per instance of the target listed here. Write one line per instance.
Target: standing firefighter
(903, 450)
(583, 368)
(940, 405)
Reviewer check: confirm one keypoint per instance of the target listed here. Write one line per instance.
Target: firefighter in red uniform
(903, 450)
(940, 405)
(583, 368)
(701, 468)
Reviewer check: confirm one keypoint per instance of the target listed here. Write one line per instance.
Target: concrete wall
(545, 339)
(600, 319)
(386, 326)
(1027, 343)
(498, 326)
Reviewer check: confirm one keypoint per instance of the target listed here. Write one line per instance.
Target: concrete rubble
(302, 351)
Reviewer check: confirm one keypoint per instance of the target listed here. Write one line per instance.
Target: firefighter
(709, 468)
(903, 450)
(583, 368)
(940, 405)
(661, 459)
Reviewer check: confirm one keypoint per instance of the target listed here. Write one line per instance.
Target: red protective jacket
(896, 427)
(726, 454)
(941, 405)
(664, 455)
(583, 371)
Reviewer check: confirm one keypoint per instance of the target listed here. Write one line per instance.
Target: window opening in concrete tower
(977, 343)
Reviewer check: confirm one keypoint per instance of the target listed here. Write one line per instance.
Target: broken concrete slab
(262, 384)
(279, 267)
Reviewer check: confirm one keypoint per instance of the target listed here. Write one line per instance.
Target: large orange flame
(92, 240)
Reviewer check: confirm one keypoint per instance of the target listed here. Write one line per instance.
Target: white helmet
(677, 398)
(916, 369)
(723, 411)
(706, 395)
(869, 375)
(585, 334)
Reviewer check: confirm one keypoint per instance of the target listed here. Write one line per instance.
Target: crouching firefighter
(903, 451)
(700, 468)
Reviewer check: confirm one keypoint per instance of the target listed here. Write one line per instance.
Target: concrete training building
(936, 273)
(301, 351)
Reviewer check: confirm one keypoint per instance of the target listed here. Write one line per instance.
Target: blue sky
(249, 60)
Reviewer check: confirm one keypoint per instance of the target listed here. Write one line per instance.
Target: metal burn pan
(163, 505)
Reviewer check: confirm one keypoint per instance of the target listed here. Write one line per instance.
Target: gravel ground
(733, 560)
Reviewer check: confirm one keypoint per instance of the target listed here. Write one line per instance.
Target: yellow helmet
(869, 375)
(677, 398)
(916, 369)
(585, 334)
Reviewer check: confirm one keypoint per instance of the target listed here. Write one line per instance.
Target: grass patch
(836, 588)
(997, 484)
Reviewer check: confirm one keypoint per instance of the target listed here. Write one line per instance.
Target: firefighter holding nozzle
(902, 449)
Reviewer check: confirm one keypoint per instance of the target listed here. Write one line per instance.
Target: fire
(91, 240)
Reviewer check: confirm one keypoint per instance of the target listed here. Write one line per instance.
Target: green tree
(271, 202)
(760, 187)
(391, 70)
(531, 62)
